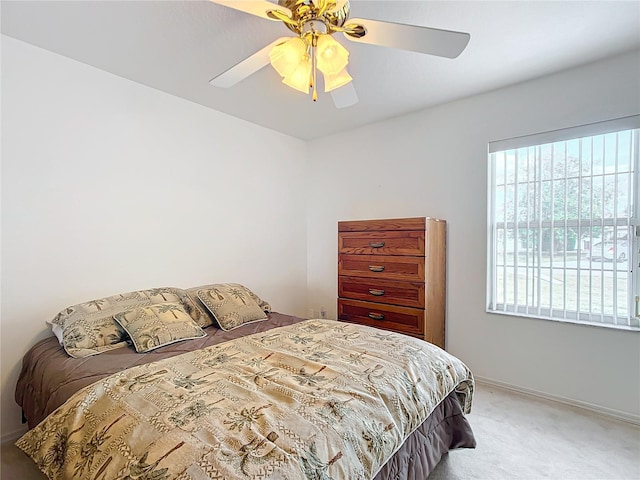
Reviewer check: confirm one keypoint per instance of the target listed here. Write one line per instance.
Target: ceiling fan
(298, 59)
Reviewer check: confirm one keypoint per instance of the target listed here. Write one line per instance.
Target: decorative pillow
(204, 319)
(89, 328)
(202, 315)
(158, 325)
(231, 305)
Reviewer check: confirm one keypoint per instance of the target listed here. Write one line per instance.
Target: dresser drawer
(415, 223)
(405, 320)
(382, 267)
(408, 294)
(382, 243)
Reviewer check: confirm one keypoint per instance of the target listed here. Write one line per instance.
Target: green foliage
(554, 184)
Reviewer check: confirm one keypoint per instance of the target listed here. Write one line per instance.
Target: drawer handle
(376, 244)
(376, 316)
(376, 268)
(377, 293)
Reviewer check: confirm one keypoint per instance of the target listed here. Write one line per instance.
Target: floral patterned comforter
(316, 400)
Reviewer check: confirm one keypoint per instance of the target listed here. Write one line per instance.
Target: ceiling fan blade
(246, 67)
(432, 41)
(344, 96)
(254, 7)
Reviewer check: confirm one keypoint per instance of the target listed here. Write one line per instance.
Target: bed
(282, 397)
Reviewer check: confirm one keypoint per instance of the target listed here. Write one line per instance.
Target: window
(563, 225)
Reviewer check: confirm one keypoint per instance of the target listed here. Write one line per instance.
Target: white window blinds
(562, 224)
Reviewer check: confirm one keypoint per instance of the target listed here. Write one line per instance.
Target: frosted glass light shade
(286, 56)
(331, 82)
(300, 77)
(332, 57)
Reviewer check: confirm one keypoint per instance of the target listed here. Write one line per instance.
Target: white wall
(110, 186)
(434, 163)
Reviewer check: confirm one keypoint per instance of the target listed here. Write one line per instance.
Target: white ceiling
(178, 46)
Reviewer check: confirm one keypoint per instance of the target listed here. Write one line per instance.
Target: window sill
(632, 328)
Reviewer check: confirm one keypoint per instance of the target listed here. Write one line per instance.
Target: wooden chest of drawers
(392, 274)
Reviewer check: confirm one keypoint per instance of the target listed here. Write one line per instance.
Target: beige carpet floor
(519, 437)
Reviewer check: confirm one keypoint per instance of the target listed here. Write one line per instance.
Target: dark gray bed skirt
(446, 428)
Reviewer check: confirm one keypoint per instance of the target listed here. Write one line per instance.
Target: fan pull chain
(313, 71)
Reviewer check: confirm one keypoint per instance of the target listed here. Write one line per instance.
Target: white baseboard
(13, 436)
(608, 412)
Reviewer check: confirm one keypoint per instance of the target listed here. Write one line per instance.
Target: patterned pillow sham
(205, 319)
(89, 328)
(231, 305)
(158, 325)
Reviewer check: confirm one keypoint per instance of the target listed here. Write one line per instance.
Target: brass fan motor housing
(303, 11)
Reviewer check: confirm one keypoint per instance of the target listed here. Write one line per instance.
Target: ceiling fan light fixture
(331, 82)
(332, 57)
(300, 77)
(285, 57)
(298, 59)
